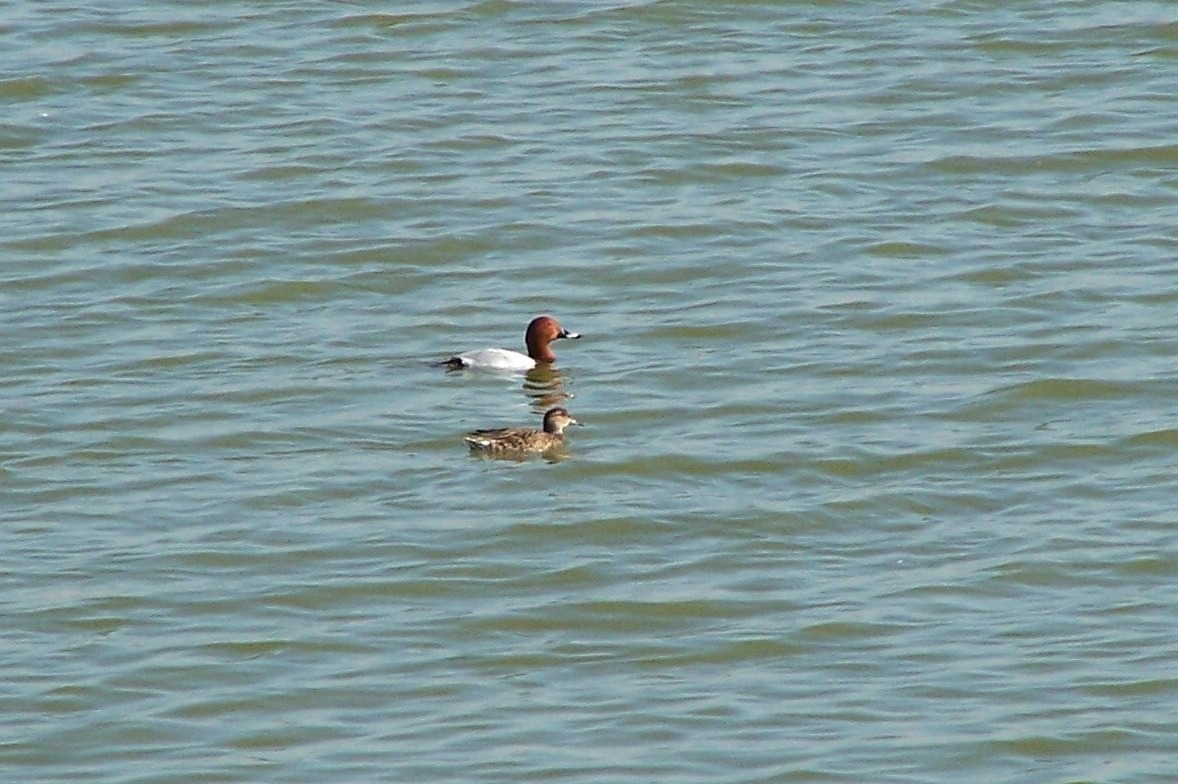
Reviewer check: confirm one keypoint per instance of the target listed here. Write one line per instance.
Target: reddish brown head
(541, 332)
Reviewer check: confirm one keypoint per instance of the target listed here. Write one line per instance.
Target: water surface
(878, 378)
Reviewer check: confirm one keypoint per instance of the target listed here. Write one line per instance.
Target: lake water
(877, 482)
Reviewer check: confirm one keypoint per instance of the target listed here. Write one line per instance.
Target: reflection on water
(554, 455)
(544, 384)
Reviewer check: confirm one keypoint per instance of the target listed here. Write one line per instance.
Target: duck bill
(564, 333)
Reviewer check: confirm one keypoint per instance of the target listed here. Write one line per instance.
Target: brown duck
(523, 439)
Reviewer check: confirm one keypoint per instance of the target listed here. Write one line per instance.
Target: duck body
(492, 359)
(522, 440)
(540, 334)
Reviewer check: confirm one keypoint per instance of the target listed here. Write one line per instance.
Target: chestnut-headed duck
(508, 440)
(541, 332)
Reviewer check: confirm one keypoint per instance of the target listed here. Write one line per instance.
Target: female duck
(518, 440)
(542, 331)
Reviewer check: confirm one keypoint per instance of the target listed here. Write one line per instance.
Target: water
(878, 377)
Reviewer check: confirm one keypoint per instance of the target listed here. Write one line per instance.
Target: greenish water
(878, 376)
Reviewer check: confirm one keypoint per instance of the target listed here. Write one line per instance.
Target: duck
(541, 332)
(518, 440)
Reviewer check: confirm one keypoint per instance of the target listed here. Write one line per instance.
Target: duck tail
(453, 363)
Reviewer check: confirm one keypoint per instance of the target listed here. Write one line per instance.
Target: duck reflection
(544, 384)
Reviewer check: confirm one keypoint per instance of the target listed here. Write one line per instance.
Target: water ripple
(875, 478)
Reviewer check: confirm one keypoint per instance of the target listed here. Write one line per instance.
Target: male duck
(523, 439)
(541, 332)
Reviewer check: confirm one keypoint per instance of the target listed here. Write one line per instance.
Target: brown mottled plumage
(523, 439)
